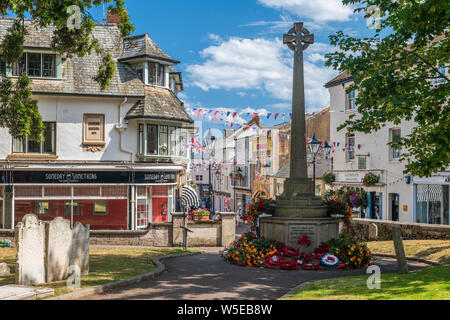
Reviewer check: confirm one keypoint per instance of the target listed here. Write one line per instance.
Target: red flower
(304, 241)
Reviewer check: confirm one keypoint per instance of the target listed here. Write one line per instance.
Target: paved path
(209, 277)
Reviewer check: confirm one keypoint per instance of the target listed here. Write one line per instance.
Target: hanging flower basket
(370, 180)
(329, 178)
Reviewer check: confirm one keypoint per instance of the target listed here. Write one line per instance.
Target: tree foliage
(19, 112)
(396, 73)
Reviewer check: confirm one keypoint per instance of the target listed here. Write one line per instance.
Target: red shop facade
(105, 200)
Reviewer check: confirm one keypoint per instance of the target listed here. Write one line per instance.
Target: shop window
(162, 140)
(47, 146)
(86, 191)
(432, 204)
(68, 209)
(94, 129)
(28, 192)
(57, 192)
(43, 208)
(115, 192)
(100, 208)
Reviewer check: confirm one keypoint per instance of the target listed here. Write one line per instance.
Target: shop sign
(349, 177)
(90, 177)
(155, 177)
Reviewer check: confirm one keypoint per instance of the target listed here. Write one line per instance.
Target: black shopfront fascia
(88, 177)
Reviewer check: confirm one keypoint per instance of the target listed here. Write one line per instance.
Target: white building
(114, 159)
(397, 197)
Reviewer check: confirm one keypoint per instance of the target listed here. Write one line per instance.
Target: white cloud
(316, 10)
(261, 64)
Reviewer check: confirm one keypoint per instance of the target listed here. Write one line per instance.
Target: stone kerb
(30, 242)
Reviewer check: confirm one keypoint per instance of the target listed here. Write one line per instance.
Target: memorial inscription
(298, 231)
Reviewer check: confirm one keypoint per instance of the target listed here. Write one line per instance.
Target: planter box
(201, 218)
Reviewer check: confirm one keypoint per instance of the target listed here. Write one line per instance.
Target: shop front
(432, 200)
(102, 199)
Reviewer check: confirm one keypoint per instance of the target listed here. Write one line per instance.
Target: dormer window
(37, 65)
(156, 74)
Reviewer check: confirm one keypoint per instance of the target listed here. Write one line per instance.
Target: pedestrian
(216, 216)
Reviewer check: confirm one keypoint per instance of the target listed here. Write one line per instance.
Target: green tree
(396, 72)
(18, 111)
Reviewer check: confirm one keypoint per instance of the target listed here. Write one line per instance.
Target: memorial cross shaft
(298, 39)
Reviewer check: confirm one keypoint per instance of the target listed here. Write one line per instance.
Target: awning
(189, 198)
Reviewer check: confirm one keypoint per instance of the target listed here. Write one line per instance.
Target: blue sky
(231, 51)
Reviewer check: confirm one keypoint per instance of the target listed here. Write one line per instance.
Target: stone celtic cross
(299, 39)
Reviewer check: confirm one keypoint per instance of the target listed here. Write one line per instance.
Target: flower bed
(256, 209)
(251, 251)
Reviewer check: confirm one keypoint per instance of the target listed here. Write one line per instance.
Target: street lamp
(314, 146)
(210, 140)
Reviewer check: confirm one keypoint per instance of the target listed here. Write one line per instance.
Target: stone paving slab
(14, 292)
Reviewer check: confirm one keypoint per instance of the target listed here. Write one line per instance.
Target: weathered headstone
(373, 231)
(399, 250)
(30, 242)
(59, 245)
(79, 255)
(4, 269)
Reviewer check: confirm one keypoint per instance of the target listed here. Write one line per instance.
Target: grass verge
(106, 265)
(427, 284)
(434, 250)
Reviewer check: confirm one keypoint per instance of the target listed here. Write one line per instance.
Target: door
(395, 207)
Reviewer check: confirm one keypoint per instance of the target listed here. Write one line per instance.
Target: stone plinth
(179, 222)
(4, 269)
(289, 229)
(14, 292)
(228, 228)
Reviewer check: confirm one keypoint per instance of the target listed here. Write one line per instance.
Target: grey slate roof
(77, 73)
(142, 46)
(159, 103)
(341, 78)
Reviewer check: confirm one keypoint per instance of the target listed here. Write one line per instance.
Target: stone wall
(7, 235)
(156, 235)
(205, 234)
(369, 230)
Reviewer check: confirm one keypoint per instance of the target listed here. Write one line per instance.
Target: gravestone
(373, 231)
(4, 269)
(59, 244)
(30, 242)
(79, 255)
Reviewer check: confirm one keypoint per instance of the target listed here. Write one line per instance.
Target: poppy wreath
(316, 256)
(274, 260)
(304, 241)
(290, 252)
(330, 261)
(310, 266)
(289, 265)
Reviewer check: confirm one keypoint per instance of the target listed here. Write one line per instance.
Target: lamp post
(315, 146)
(210, 140)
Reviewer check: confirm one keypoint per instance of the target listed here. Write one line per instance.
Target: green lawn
(434, 250)
(106, 265)
(428, 284)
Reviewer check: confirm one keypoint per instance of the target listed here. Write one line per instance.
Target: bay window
(47, 146)
(162, 140)
(396, 135)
